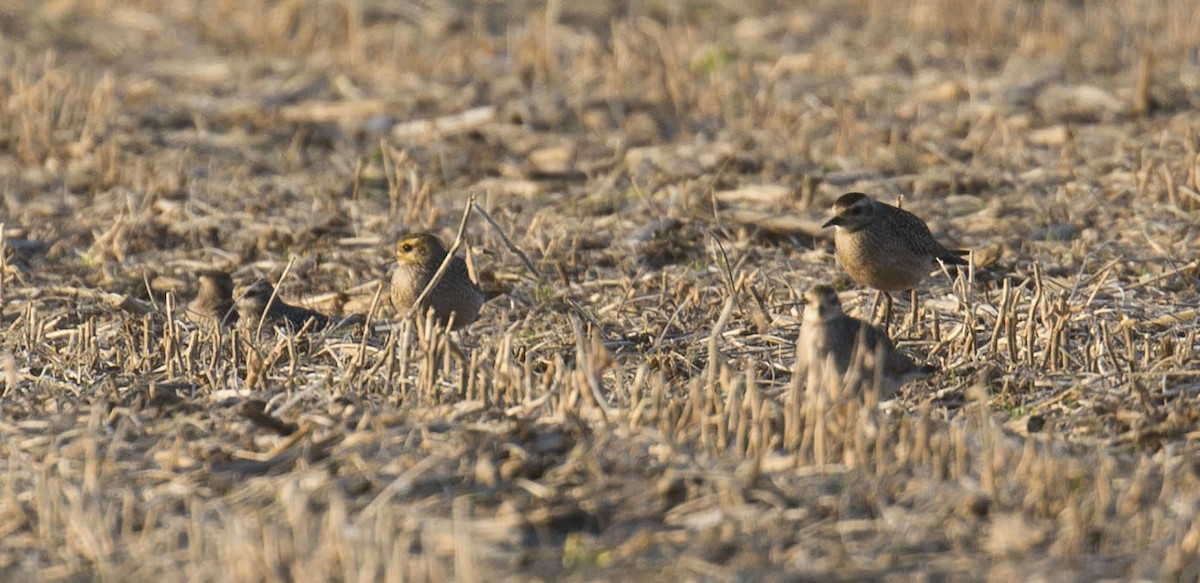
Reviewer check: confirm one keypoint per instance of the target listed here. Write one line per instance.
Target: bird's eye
(407, 247)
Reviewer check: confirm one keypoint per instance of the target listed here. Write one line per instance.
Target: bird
(885, 247)
(214, 299)
(455, 297)
(253, 300)
(829, 336)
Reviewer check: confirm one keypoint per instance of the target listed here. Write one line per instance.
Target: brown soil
(648, 185)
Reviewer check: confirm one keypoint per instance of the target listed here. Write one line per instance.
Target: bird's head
(852, 211)
(419, 249)
(254, 297)
(823, 304)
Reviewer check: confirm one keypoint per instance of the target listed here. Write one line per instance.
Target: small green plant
(714, 59)
(544, 291)
(577, 553)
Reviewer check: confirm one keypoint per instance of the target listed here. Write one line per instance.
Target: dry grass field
(648, 181)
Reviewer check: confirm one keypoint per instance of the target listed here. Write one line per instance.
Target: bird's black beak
(834, 222)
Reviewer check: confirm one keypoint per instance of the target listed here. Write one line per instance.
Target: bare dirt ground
(624, 409)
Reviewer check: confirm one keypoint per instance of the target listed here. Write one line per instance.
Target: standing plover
(885, 247)
(214, 299)
(418, 257)
(829, 337)
(253, 301)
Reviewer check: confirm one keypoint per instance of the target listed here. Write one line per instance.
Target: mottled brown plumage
(418, 257)
(885, 247)
(214, 299)
(252, 302)
(829, 337)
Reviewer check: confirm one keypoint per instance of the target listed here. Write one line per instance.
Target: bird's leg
(887, 307)
(916, 312)
(887, 313)
(870, 313)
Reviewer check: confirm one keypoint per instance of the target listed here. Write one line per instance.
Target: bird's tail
(920, 371)
(955, 256)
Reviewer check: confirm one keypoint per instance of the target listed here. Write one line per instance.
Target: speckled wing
(840, 338)
(915, 234)
(457, 293)
(898, 368)
(461, 275)
(217, 310)
(297, 316)
(280, 313)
